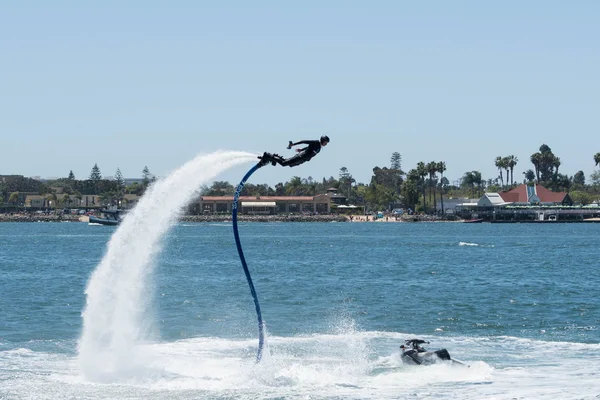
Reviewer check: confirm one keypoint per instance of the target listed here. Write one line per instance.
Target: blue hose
(234, 209)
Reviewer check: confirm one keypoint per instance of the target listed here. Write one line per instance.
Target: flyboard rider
(313, 147)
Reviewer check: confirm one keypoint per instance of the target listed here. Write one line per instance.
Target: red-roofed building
(535, 194)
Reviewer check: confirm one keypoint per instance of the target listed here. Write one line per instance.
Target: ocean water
(519, 303)
(155, 309)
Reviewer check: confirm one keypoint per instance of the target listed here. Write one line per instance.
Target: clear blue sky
(133, 83)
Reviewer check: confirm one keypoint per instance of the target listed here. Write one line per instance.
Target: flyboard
(264, 160)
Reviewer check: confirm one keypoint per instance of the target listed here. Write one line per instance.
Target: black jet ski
(414, 354)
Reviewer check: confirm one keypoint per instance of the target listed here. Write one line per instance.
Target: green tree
(71, 176)
(595, 177)
(120, 183)
(279, 189)
(257, 190)
(410, 189)
(66, 200)
(95, 174)
(146, 177)
(13, 199)
(597, 159)
(579, 196)
(555, 164)
(441, 168)
(478, 181)
(499, 163)
(529, 175)
(422, 172)
(119, 179)
(78, 196)
(52, 200)
(219, 188)
(432, 172)
(511, 163)
(136, 188)
(293, 186)
(379, 196)
(536, 160)
(346, 181)
(472, 179)
(396, 172)
(18, 183)
(396, 161)
(546, 164)
(579, 180)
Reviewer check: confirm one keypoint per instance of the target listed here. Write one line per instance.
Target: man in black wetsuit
(304, 154)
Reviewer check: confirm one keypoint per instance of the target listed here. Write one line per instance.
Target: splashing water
(115, 318)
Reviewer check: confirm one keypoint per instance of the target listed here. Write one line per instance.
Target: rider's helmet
(324, 140)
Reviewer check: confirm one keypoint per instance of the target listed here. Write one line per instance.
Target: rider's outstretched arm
(297, 143)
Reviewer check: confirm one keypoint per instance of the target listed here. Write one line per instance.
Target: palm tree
(505, 162)
(469, 180)
(477, 180)
(432, 171)
(441, 167)
(498, 163)
(66, 200)
(512, 162)
(529, 175)
(14, 199)
(536, 160)
(78, 196)
(51, 197)
(422, 172)
(293, 186)
(597, 158)
(564, 181)
(556, 165)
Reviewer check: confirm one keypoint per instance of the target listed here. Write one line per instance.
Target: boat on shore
(107, 217)
(473, 221)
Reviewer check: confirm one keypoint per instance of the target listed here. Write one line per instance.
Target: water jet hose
(234, 209)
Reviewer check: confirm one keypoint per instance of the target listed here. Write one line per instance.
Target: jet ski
(414, 354)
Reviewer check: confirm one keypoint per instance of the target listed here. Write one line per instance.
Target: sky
(128, 84)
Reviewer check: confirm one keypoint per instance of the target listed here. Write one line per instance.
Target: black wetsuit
(305, 154)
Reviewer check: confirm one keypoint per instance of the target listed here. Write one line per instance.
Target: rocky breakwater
(265, 218)
(38, 218)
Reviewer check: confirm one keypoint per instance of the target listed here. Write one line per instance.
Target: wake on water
(116, 318)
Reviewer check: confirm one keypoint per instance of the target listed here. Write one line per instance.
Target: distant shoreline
(184, 218)
(227, 218)
(272, 218)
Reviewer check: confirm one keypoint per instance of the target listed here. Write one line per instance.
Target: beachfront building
(526, 203)
(33, 202)
(535, 195)
(450, 204)
(330, 202)
(269, 205)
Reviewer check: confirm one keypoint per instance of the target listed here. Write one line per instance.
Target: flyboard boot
(267, 158)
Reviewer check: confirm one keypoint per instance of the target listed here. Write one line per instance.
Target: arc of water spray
(115, 317)
(236, 197)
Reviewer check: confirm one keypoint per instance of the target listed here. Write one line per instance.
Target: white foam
(350, 364)
(474, 244)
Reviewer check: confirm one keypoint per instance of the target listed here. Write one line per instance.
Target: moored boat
(107, 217)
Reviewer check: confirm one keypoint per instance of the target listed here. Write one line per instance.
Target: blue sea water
(519, 303)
